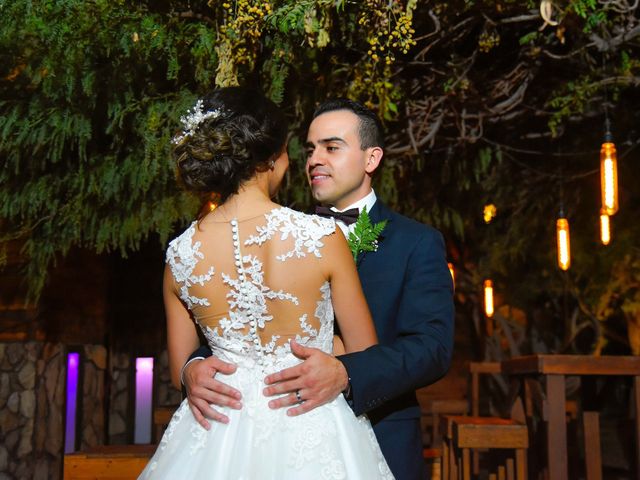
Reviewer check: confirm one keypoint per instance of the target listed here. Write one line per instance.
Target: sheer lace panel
(255, 284)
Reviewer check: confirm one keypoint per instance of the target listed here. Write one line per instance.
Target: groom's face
(336, 165)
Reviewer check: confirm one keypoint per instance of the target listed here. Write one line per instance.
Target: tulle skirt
(259, 443)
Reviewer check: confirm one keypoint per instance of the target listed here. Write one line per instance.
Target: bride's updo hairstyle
(228, 136)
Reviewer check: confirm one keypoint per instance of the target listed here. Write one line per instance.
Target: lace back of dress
(254, 288)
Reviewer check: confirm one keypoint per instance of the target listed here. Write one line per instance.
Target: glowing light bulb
(488, 298)
(489, 212)
(609, 178)
(452, 272)
(564, 246)
(605, 228)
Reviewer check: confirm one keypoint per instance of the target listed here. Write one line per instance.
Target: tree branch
(613, 43)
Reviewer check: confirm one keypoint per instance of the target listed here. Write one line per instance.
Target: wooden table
(554, 368)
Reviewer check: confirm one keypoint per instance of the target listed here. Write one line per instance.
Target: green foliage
(529, 38)
(583, 8)
(572, 99)
(289, 19)
(365, 235)
(90, 132)
(589, 11)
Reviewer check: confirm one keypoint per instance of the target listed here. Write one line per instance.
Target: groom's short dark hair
(370, 128)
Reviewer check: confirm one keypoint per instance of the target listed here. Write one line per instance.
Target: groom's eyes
(328, 148)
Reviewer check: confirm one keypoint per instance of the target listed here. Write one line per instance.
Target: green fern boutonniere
(364, 237)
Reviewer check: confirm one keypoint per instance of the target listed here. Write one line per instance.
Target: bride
(253, 276)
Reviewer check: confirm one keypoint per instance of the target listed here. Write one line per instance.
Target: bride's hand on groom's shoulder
(203, 390)
(317, 380)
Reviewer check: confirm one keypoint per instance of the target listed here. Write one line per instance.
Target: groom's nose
(314, 159)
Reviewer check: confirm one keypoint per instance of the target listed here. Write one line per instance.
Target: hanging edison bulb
(488, 298)
(605, 228)
(212, 206)
(564, 245)
(609, 175)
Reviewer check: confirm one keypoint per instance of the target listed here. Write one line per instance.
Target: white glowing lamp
(488, 298)
(564, 245)
(609, 176)
(605, 228)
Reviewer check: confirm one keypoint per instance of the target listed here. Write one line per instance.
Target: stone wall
(119, 404)
(166, 394)
(94, 366)
(32, 387)
(32, 407)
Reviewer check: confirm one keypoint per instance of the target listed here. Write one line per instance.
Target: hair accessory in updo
(193, 119)
(229, 135)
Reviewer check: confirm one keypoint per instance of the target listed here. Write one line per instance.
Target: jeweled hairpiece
(192, 119)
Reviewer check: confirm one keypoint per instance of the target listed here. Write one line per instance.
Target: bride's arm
(349, 304)
(182, 338)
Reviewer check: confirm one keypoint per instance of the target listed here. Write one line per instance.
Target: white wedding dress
(251, 287)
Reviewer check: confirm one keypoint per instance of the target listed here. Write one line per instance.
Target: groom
(408, 288)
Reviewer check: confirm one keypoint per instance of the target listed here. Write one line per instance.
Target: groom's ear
(374, 157)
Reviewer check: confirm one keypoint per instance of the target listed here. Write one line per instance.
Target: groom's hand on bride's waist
(317, 380)
(203, 390)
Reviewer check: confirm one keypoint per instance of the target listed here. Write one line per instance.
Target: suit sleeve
(421, 352)
(202, 352)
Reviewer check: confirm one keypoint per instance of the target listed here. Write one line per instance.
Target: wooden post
(556, 428)
(510, 469)
(593, 460)
(466, 464)
(521, 464)
(636, 402)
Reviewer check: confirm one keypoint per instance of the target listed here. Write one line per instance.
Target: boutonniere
(364, 237)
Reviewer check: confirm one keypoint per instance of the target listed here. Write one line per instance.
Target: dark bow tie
(347, 217)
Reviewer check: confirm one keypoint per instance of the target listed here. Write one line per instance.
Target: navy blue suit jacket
(409, 290)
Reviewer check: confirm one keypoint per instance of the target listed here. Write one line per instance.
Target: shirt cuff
(185, 366)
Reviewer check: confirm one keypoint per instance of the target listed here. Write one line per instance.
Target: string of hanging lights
(489, 212)
(609, 199)
(608, 175)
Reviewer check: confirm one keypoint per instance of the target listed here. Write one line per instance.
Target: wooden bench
(432, 413)
(108, 462)
(463, 434)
